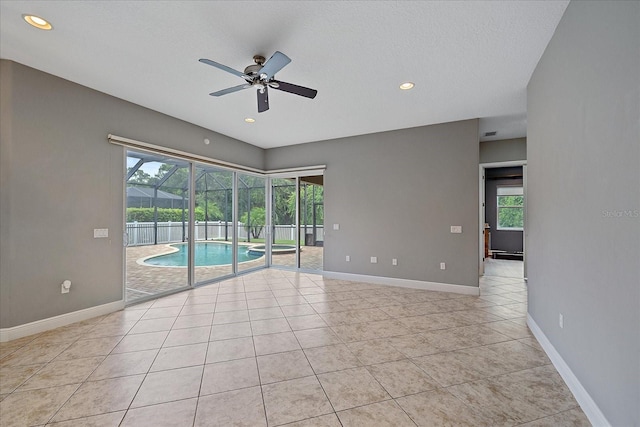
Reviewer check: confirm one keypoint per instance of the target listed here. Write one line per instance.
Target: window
(510, 208)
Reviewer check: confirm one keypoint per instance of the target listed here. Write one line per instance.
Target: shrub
(164, 214)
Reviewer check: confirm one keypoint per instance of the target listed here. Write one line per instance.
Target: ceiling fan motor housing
(252, 69)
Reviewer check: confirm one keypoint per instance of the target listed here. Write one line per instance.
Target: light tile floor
(279, 348)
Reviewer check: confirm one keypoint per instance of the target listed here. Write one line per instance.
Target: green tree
(139, 177)
(211, 210)
(254, 222)
(510, 211)
(176, 183)
(164, 214)
(216, 184)
(283, 189)
(310, 195)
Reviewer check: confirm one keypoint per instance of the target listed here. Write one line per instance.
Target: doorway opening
(311, 214)
(503, 219)
(297, 218)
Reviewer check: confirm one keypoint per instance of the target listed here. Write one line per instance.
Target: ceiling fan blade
(274, 64)
(263, 100)
(295, 89)
(222, 67)
(230, 90)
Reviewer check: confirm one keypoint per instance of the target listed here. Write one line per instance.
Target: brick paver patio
(144, 280)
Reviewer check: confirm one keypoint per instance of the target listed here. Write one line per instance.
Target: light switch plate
(100, 233)
(336, 226)
(457, 229)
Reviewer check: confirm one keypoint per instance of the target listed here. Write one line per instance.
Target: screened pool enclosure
(233, 213)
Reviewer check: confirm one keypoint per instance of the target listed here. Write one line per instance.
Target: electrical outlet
(374, 260)
(443, 266)
(457, 229)
(336, 226)
(394, 261)
(347, 258)
(561, 321)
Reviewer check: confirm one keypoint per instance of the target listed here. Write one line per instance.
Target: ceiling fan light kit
(261, 76)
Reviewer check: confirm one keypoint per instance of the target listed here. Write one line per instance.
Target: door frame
(481, 208)
(297, 175)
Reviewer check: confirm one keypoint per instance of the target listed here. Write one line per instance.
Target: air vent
(490, 133)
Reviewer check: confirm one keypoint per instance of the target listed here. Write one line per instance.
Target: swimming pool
(206, 254)
(275, 249)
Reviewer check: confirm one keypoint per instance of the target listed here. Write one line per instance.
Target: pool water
(275, 249)
(207, 254)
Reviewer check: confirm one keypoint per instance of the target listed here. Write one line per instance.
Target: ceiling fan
(261, 76)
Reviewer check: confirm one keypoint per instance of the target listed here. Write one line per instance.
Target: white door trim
(481, 201)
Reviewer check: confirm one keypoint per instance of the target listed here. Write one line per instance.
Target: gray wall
(583, 236)
(61, 179)
(503, 150)
(395, 195)
(505, 240)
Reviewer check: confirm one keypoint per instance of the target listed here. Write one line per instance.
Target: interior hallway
(503, 268)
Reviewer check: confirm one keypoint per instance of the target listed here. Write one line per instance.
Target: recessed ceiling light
(249, 120)
(37, 22)
(406, 86)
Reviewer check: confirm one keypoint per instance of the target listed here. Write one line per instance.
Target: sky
(151, 168)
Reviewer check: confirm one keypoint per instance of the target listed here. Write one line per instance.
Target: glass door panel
(157, 224)
(283, 220)
(311, 222)
(251, 221)
(213, 233)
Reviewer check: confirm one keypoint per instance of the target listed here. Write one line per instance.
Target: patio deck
(145, 280)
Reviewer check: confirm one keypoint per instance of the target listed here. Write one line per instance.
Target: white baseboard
(589, 407)
(404, 283)
(8, 334)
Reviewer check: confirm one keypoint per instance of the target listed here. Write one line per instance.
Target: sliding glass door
(190, 223)
(297, 206)
(213, 231)
(311, 222)
(284, 229)
(157, 225)
(251, 222)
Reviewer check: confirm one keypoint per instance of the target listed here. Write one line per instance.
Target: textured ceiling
(468, 59)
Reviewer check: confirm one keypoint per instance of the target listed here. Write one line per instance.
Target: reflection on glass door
(251, 221)
(311, 222)
(157, 224)
(213, 233)
(283, 220)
